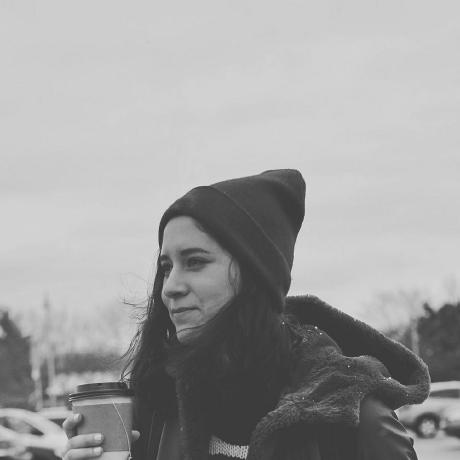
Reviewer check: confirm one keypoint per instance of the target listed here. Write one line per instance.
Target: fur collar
(341, 360)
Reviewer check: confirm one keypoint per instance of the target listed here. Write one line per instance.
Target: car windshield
(450, 393)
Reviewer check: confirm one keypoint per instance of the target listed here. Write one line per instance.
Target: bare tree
(395, 312)
(452, 288)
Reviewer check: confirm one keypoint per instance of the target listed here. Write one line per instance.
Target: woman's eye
(194, 262)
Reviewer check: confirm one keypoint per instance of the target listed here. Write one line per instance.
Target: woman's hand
(83, 446)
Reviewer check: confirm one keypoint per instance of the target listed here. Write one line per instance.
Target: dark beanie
(256, 218)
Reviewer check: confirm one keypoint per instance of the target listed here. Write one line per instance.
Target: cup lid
(88, 390)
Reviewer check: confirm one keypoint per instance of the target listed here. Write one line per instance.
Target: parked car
(451, 422)
(56, 414)
(11, 447)
(426, 418)
(42, 438)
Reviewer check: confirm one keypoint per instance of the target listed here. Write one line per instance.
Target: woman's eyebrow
(187, 252)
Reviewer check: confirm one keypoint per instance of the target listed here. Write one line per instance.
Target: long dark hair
(249, 336)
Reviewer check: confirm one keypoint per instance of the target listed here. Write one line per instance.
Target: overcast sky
(110, 110)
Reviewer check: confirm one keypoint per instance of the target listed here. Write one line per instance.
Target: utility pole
(36, 361)
(48, 335)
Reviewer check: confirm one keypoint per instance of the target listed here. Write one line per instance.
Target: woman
(225, 365)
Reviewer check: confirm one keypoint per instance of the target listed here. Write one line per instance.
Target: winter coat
(348, 379)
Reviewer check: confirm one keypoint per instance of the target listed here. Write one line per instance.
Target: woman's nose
(174, 284)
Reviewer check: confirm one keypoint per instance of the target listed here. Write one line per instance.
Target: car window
(21, 426)
(4, 445)
(452, 393)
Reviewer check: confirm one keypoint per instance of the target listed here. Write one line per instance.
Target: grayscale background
(110, 110)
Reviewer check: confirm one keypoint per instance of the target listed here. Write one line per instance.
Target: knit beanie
(256, 218)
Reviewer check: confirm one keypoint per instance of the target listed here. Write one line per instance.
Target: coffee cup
(106, 408)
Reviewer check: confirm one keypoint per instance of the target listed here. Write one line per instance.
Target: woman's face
(200, 277)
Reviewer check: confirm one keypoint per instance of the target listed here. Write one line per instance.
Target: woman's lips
(177, 311)
(184, 316)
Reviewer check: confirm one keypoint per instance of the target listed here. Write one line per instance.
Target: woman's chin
(185, 334)
(182, 336)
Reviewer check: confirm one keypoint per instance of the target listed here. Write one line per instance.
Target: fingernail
(97, 450)
(76, 417)
(98, 437)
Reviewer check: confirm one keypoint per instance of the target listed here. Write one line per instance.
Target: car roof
(39, 421)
